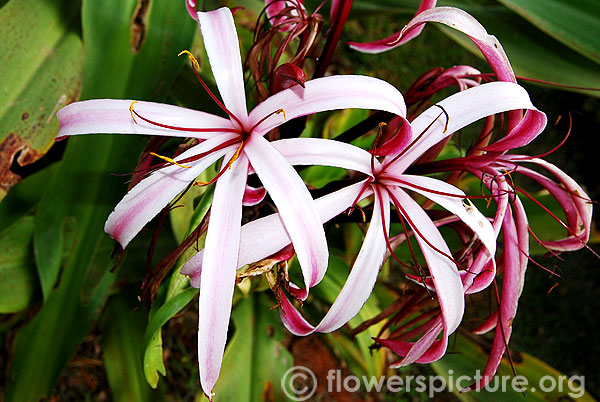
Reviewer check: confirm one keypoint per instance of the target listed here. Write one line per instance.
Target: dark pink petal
(395, 40)
(274, 7)
(516, 249)
(575, 203)
(190, 5)
(253, 196)
(527, 130)
(359, 284)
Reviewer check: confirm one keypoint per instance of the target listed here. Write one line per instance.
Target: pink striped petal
(223, 49)
(463, 108)
(359, 284)
(460, 20)
(144, 201)
(318, 151)
(218, 273)
(461, 207)
(295, 205)
(395, 40)
(516, 249)
(113, 116)
(445, 275)
(266, 236)
(328, 93)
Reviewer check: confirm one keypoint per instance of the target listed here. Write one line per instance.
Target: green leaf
(178, 293)
(24, 196)
(152, 340)
(41, 71)
(83, 189)
(468, 358)
(532, 53)
(18, 281)
(122, 326)
(575, 24)
(255, 360)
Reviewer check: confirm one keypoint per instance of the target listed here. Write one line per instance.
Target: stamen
(223, 170)
(191, 57)
(380, 126)
(196, 69)
(402, 211)
(445, 114)
(236, 155)
(131, 111)
(170, 160)
(178, 128)
(278, 111)
(413, 143)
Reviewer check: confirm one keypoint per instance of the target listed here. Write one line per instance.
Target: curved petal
(274, 7)
(328, 93)
(575, 203)
(295, 205)
(462, 108)
(359, 284)
(253, 196)
(527, 130)
(266, 236)
(445, 275)
(516, 249)
(144, 201)
(426, 350)
(218, 273)
(223, 49)
(318, 151)
(459, 20)
(190, 5)
(113, 116)
(442, 194)
(395, 40)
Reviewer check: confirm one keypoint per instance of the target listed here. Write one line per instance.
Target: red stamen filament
(414, 142)
(414, 228)
(190, 129)
(196, 68)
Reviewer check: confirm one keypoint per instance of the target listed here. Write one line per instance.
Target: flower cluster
(395, 175)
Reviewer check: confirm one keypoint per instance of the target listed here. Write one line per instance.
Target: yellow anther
(199, 183)
(236, 155)
(555, 123)
(167, 159)
(382, 124)
(131, 111)
(364, 217)
(281, 111)
(192, 59)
